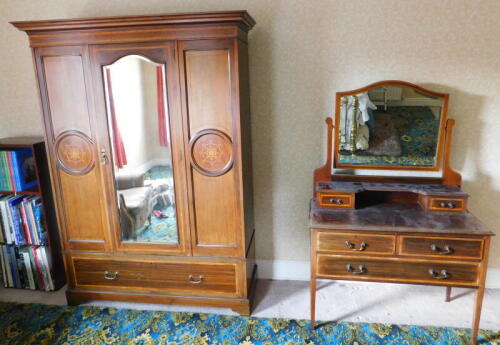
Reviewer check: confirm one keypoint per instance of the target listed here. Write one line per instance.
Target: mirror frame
(438, 162)
(164, 54)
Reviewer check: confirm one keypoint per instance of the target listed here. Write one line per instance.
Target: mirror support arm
(325, 172)
(450, 176)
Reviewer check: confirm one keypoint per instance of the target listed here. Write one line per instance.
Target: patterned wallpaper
(301, 53)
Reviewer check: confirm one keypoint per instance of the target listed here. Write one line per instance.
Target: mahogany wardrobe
(147, 124)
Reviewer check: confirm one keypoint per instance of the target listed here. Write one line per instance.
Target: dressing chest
(387, 206)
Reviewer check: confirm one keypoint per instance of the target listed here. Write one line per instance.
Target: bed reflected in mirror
(138, 123)
(389, 126)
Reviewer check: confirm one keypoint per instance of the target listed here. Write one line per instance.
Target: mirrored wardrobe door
(142, 146)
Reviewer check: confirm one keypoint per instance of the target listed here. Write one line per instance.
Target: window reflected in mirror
(138, 123)
(389, 126)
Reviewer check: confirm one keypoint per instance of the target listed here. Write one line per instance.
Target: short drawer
(335, 200)
(355, 243)
(446, 204)
(459, 248)
(396, 270)
(176, 278)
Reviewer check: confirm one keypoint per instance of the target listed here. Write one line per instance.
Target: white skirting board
(299, 270)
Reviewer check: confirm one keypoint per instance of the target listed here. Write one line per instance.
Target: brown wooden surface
(460, 248)
(450, 176)
(396, 270)
(335, 200)
(239, 305)
(374, 244)
(207, 279)
(205, 57)
(138, 20)
(207, 82)
(442, 127)
(434, 204)
(64, 83)
(163, 53)
(246, 143)
(478, 303)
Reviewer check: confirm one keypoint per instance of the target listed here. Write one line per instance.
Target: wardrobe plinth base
(238, 305)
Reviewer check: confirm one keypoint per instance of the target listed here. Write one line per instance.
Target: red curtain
(162, 123)
(118, 147)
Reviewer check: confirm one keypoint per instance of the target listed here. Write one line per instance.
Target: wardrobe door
(65, 90)
(209, 81)
(140, 127)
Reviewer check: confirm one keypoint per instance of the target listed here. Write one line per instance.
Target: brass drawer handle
(350, 245)
(361, 269)
(444, 274)
(447, 250)
(196, 281)
(449, 204)
(336, 201)
(111, 276)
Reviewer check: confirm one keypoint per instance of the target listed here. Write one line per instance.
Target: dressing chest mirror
(387, 207)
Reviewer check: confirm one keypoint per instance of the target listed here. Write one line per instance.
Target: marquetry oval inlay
(74, 152)
(211, 152)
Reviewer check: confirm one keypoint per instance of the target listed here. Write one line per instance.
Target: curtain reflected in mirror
(137, 111)
(390, 126)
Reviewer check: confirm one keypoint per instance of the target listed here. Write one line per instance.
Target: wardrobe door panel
(66, 102)
(210, 103)
(140, 126)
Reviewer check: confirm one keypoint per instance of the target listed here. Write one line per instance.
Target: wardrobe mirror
(138, 121)
(393, 125)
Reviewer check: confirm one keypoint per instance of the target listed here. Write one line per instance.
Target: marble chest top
(419, 188)
(396, 217)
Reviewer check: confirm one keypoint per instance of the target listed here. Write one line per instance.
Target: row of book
(21, 220)
(17, 170)
(26, 267)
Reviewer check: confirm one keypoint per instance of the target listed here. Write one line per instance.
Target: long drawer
(460, 248)
(358, 243)
(397, 270)
(161, 277)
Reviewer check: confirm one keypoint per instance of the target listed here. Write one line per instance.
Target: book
(4, 219)
(15, 219)
(23, 169)
(8, 272)
(29, 271)
(2, 264)
(38, 266)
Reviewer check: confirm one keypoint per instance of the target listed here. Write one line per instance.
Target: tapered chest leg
(477, 314)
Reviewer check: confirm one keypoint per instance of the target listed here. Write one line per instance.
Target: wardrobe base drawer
(397, 270)
(193, 278)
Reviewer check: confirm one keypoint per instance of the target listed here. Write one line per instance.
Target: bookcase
(30, 254)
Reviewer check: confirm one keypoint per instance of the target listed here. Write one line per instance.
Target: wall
(301, 53)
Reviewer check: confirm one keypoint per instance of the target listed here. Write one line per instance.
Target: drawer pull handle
(336, 201)
(446, 250)
(111, 276)
(444, 274)
(361, 269)
(196, 281)
(449, 204)
(350, 245)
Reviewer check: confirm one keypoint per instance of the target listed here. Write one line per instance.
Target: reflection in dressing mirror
(137, 111)
(390, 126)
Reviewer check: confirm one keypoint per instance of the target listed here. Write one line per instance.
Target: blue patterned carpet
(45, 324)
